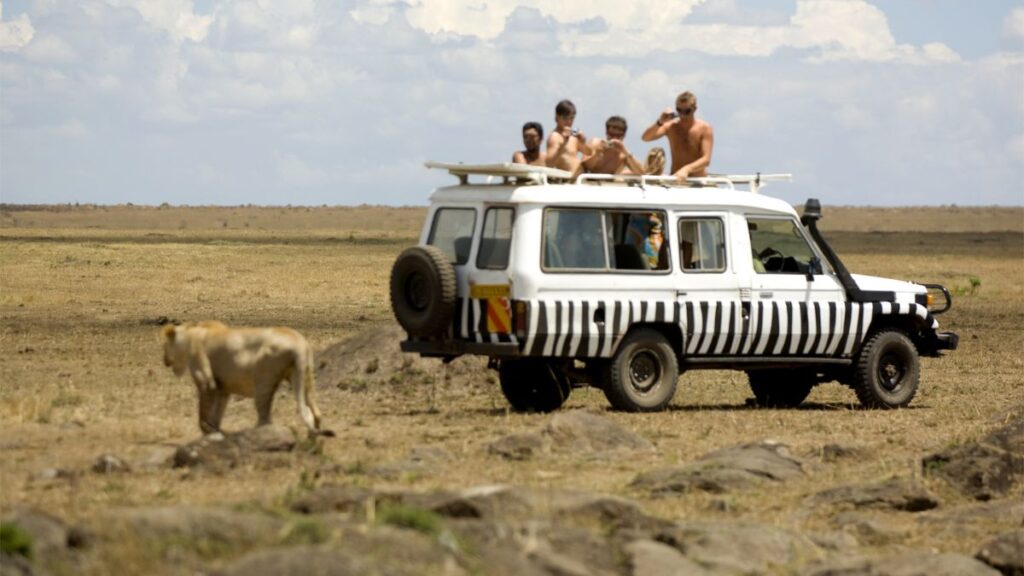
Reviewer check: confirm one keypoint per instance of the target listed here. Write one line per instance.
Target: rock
(985, 469)
(383, 550)
(47, 475)
(1005, 553)
(868, 531)
(907, 564)
(110, 464)
(15, 566)
(159, 457)
(836, 452)
(579, 431)
(975, 522)
(212, 526)
(334, 498)
(49, 534)
(895, 493)
(652, 558)
(738, 547)
(220, 451)
(725, 470)
(518, 446)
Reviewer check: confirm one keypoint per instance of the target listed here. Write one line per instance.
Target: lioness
(248, 362)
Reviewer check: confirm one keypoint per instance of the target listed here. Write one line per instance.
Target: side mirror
(813, 267)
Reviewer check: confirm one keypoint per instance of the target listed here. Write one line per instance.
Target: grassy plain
(82, 288)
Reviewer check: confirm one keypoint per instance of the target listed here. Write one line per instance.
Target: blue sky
(305, 102)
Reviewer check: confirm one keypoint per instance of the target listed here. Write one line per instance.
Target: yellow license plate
(485, 291)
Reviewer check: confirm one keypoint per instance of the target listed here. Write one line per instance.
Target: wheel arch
(672, 332)
(915, 327)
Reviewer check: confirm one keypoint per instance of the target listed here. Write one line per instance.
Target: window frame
(815, 251)
(724, 238)
(433, 229)
(604, 212)
(483, 232)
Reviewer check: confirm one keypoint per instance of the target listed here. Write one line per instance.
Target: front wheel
(888, 371)
(533, 385)
(643, 374)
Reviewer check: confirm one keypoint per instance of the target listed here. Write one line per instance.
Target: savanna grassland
(83, 290)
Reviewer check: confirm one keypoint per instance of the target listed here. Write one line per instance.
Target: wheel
(642, 375)
(781, 388)
(887, 371)
(533, 385)
(423, 291)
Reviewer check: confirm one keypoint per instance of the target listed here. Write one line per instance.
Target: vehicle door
(797, 308)
(708, 285)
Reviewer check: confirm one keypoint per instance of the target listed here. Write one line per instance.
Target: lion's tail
(305, 391)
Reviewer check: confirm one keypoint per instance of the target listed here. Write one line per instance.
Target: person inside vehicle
(533, 134)
(610, 156)
(690, 140)
(565, 144)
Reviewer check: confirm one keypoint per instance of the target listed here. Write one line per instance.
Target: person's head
(533, 134)
(565, 113)
(655, 163)
(686, 105)
(615, 128)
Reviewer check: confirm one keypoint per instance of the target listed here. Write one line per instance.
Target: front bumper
(453, 348)
(946, 341)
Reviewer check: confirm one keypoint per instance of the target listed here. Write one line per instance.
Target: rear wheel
(643, 374)
(533, 385)
(781, 388)
(887, 371)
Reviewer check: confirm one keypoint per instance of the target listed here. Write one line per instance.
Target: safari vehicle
(625, 282)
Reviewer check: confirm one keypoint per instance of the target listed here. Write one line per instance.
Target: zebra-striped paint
(566, 328)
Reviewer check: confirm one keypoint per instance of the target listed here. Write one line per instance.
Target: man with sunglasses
(690, 140)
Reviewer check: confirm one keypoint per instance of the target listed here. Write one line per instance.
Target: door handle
(765, 294)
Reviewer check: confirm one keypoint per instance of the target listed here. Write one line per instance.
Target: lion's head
(175, 348)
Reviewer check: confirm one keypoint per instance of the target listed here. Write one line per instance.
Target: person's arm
(629, 165)
(594, 154)
(519, 158)
(660, 126)
(555, 147)
(707, 143)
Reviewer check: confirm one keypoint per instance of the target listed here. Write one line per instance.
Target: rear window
(452, 232)
(496, 239)
(604, 240)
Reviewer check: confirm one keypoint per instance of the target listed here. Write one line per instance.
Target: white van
(624, 282)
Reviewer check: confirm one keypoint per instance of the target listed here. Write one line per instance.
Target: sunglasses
(685, 111)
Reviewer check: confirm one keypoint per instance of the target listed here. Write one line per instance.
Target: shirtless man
(691, 140)
(533, 133)
(564, 144)
(610, 155)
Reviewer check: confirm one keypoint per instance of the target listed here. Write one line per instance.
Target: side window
(574, 239)
(701, 245)
(638, 240)
(452, 232)
(778, 246)
(496, 239)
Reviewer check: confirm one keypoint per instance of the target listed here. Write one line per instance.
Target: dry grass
(80, 290)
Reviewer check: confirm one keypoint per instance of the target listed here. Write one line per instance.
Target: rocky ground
(337, 522)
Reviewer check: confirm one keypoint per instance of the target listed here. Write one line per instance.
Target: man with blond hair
(690, 140)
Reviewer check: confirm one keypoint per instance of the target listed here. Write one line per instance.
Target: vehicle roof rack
(543, 175)
(505, 171)
(754, 181)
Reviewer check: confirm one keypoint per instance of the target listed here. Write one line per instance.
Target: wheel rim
(644, 371)
(891, 369)
(417, 291)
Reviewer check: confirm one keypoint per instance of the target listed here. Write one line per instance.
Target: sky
(312, 102)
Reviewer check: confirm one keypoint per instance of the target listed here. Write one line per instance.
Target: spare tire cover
(423, 291)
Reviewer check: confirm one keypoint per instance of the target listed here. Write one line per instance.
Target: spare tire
(423, 291)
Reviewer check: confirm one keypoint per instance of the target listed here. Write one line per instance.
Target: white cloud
(834, 29)
(1013, 24)
(176, 17)
(50, 49)
(16, 33)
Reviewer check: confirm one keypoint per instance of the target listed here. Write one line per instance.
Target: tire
(643, 373)
(423, 291)
(533, 385)
(887, 371)
(781, 388)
